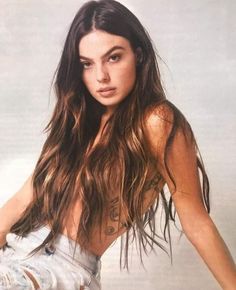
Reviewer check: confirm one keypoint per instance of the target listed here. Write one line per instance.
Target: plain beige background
(196, 39)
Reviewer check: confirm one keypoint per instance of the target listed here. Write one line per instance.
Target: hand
(3, 243)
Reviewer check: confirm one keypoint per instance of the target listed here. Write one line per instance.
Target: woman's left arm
(195, 220)
(203, 234)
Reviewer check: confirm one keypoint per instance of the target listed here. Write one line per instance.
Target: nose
(102, 74)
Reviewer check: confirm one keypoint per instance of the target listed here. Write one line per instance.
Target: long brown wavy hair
(63, 171)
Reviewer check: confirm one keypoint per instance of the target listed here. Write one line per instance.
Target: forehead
(97, 42)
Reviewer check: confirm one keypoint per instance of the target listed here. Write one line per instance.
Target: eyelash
(113, 55)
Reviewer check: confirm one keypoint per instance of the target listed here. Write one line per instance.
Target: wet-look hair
(112, 179)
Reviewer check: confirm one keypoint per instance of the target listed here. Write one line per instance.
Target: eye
(115, 57)
(85, 65)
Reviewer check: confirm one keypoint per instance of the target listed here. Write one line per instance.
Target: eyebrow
(107, 53)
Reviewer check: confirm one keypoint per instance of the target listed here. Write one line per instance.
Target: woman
(113, 142)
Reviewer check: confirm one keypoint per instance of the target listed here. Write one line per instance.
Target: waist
(65, 247)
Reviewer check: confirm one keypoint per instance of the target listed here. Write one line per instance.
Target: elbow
(199, 230)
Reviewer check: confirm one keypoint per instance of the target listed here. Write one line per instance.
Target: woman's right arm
(11, 211)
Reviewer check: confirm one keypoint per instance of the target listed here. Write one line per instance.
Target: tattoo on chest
(113, 215)
(113, 209)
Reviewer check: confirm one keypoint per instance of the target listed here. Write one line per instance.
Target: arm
(11, 211)
(196, 222)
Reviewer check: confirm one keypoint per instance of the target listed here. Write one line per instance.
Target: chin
(109, 101)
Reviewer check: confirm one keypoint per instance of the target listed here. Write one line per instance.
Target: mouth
(107, 92)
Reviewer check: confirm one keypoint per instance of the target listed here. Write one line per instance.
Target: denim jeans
(52, 268)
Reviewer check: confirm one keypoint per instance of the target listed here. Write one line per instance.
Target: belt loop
(50, 249)
(81, 282)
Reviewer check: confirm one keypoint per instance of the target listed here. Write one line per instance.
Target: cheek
(87, 81)
(127, 74)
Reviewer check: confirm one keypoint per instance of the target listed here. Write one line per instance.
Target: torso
(111, 230)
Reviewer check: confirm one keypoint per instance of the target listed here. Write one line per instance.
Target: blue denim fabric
(52, 268)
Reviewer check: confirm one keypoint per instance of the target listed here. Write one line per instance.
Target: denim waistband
(64, 246)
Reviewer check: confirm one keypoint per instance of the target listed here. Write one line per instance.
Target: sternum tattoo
(113, 215)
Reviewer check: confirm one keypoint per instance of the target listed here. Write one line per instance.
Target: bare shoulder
(163, 120)
(158, 124)
(160, 114)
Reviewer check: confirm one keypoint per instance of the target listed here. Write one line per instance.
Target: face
(109, 64)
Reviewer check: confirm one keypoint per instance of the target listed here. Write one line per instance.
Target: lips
(106, 89)
(107, 92)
